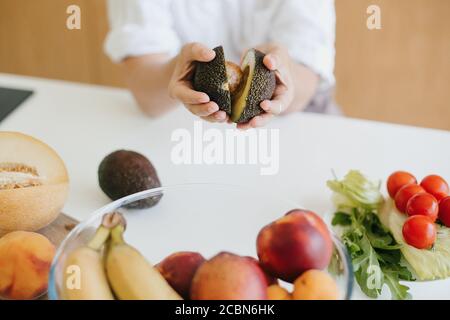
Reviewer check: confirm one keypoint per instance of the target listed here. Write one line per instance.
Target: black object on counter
(10, 99)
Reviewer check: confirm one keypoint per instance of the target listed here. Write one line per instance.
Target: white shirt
(305, 27)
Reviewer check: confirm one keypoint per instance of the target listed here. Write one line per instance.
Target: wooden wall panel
(34, 41)
(399, 74)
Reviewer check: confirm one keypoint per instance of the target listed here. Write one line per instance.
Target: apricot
(179, 269)
(315, 285)
(229, 277)
(33, 183)
(25, 259)
(297, 242)
(275, 292)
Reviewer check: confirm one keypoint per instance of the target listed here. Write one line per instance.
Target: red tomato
(404, 194)
(435, 185)
(444, 211)
(423, 204)
(419, 232)
(397, 180)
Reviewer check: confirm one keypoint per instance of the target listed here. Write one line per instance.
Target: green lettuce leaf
(376, 256)
(356, 191)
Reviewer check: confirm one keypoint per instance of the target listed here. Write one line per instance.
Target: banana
(130, 274)
(84, 272)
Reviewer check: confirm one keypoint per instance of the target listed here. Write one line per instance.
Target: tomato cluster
(424, 203)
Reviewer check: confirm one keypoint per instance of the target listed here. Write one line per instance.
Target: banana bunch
(109, 268)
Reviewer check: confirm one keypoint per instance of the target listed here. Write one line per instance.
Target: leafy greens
(376, 256)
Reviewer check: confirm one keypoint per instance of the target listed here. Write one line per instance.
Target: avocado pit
(234, 76)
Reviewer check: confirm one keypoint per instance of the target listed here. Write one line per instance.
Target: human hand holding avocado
(218, 90)
(295, 85)
(160, 82)
(180, 85)
(268, 82)
(278, 60)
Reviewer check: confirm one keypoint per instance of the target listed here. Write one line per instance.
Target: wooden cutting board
(57, 231)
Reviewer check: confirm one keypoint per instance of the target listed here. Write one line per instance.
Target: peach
(297, 242)
(179, 269)
(275, 292)
(315, 285)
(229, 277)
(25, 259)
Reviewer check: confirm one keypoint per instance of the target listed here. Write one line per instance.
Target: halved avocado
(34, 183)
(238, 92)
(257, 84)
(211, 78)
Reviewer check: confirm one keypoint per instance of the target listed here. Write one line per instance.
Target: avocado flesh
(259, 86)
(238, 100)
(211, 78)
(427, 264)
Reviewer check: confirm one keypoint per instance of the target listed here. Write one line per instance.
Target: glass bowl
(207, 218)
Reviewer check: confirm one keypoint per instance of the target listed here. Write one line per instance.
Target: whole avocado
(124, 172)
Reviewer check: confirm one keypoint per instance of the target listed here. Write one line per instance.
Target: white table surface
(86, 122)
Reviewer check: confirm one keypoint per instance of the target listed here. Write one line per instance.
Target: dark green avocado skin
(123, 172)
(262, 88)
(210, 77)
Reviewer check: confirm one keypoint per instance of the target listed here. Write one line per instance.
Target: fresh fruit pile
(424, 203)
(295, 248)
(33, 188)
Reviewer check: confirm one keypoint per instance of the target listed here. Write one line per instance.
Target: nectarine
(25, 259)
(229, 277)
(297, 242)
(179, 269)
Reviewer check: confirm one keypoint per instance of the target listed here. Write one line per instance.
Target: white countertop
(86, 122)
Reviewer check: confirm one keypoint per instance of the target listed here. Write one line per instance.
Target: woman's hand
(277, 59)
(296, 84)
(180, 85)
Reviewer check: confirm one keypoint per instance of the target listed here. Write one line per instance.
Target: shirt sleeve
(307, 29)
(140, 27)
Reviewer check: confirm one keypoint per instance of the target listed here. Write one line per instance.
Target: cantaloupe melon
(33, 183)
